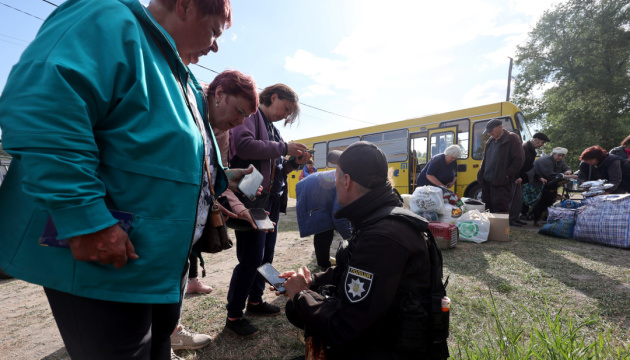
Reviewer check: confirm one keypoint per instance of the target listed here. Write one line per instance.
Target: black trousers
(322, 242)
(107, 330)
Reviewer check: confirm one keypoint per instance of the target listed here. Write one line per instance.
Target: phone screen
(250, 183)
(271, 276)
(261, 219)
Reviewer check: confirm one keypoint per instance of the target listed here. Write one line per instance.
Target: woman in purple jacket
(258, 142)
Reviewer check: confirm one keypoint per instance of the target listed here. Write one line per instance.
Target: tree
(579, 55)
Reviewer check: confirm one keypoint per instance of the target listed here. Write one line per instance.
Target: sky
(353, 63)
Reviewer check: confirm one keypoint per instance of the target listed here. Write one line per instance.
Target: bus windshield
(520, 122)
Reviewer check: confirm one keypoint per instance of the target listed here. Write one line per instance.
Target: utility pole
(507, 96)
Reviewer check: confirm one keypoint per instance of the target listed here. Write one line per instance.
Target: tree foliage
(578, 56)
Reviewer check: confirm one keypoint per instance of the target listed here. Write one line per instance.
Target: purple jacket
(251, 142)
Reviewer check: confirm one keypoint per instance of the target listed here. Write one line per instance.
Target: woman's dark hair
(208, 7)
(625, 141)
(309, 162)
(594, 152)
(235, 83)
(284, 93)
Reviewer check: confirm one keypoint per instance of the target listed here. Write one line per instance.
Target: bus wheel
(474, 192)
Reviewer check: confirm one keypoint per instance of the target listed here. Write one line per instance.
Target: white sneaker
(186, 339)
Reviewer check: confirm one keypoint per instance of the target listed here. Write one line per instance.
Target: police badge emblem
(358, 284)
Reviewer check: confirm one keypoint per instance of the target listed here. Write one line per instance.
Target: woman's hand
(235, 175)
(296, 149)
(108, 246)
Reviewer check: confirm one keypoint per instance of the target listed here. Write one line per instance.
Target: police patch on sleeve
(357, 284)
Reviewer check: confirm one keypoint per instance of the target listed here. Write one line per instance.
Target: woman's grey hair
(454, 151)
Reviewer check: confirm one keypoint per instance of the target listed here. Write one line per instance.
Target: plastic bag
(473, 226)
(427, 199)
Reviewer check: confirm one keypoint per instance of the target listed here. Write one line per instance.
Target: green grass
(538, 297)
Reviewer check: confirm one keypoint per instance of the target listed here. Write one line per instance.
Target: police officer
(354, 308)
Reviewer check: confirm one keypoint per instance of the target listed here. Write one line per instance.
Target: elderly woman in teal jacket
(102, 113)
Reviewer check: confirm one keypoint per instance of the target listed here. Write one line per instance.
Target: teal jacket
(95, 120)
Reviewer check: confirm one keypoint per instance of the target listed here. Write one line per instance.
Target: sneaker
(196, 286)
(186, 339)
(514, 223)
(262, 309)
(174, 356)
(241, 328)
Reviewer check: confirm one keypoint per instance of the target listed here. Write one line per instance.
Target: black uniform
(384, 261)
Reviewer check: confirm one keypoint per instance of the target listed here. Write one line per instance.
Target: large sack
(605, 220)
(558, 213)
(473, 226)
(427, 199)
(562, 228)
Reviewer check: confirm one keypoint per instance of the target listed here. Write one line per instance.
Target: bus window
(393, 143)
(440, 141)
(319, 157)
(419, 148)
(479, 139)
(340, 144)
(463, 134)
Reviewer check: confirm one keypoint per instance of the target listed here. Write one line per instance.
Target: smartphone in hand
(271, 275)
(250, 183)
(261, 219)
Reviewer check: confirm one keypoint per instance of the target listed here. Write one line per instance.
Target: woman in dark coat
(610, 167)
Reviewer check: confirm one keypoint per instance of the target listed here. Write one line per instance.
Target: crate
(445, 234)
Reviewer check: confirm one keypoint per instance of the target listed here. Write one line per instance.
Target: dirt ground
(28, 329)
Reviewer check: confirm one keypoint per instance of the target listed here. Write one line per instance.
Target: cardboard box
(499, 227)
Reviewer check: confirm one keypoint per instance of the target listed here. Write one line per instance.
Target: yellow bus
(410, 144)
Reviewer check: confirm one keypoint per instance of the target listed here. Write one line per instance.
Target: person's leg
(195, 285)
(249, 252)
(258, 286)
(322, 242)
(486, 195)
(517, 204)
(96, 329)
(501, 196)
(165, 318)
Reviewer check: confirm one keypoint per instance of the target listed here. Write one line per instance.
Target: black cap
(364, 162)
(492, 124)
(541, 136)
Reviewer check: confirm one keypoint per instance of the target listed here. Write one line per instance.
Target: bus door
(418, 157)
(440, 139)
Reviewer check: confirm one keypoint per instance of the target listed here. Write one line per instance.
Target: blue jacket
(95, 120)
(316, 204)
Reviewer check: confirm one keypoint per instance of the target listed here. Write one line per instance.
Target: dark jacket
(549, 168)
(612, 168)
(250, 141)
(528, 164)
(391, 259)
(619, 151)
(509, 159)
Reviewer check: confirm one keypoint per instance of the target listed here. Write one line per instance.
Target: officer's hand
(296, 283)
(518, 181)
(108, 246)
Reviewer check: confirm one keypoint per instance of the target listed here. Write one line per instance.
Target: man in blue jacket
(102, 113)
